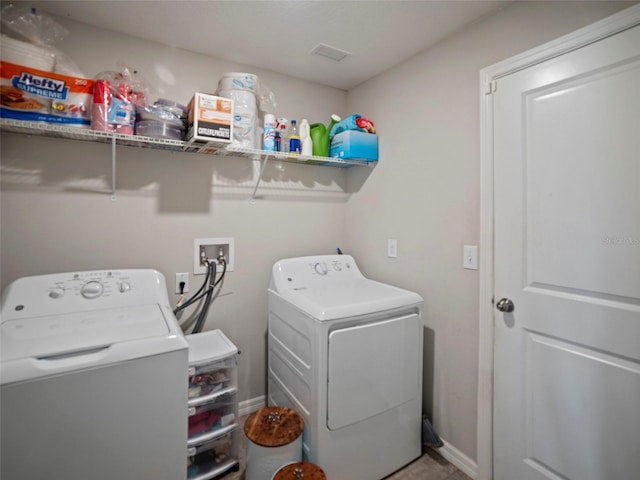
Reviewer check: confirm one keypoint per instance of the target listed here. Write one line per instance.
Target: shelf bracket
(263, 165)
(113, 168)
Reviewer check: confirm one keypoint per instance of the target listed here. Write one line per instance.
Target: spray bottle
(269, 140)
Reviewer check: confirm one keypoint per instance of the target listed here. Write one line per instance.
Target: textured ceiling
(280, 35)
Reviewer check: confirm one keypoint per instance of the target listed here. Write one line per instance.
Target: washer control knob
(56, 292)
(92, 289)
(321, 268)
(124, 287)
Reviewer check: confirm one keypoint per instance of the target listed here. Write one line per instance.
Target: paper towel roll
(245, 117)
(238, 81)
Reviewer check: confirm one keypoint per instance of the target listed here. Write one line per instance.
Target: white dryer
(93, 378)
(346, 353)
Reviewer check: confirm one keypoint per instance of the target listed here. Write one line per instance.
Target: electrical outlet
(209, 249)
(182, 277)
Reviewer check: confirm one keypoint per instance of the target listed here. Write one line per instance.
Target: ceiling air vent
(331, 53)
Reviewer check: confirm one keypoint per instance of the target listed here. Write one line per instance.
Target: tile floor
(430, 466)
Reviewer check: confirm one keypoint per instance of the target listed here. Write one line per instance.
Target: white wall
(425, 192)
(57, 214)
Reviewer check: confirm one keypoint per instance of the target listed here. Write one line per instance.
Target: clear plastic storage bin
(213, 405)
(217, 455)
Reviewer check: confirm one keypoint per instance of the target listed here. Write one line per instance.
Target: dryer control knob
(321, 268)
(56, 292)
(124, 287)
(92, 289)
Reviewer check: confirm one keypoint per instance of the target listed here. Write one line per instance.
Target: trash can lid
(273, 426)
(300, 471)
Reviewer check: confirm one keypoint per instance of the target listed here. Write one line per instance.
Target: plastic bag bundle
(38, 82)
(113, 109)
(116, 96)
(39, 30)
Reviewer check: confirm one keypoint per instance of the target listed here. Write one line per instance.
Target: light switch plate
(470, 257)
(392, 248)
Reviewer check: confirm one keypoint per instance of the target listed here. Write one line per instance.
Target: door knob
(505, 305)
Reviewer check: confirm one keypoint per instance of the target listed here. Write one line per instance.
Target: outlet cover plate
(182, 277)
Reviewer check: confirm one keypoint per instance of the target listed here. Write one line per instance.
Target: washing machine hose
(208, 294)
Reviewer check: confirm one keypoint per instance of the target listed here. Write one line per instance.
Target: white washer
(93, 378)
(346, 353)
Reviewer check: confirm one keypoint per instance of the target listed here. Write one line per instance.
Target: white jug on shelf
(305, 138)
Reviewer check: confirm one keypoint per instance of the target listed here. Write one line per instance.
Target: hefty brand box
(35, 95)
(210, 119)
(355, 145)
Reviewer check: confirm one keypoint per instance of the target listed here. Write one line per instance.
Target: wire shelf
(210, 148)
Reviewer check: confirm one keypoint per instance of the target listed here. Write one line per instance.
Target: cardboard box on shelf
(210, 119)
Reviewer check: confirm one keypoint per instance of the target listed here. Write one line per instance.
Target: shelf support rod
(262, 167)
(113, 168)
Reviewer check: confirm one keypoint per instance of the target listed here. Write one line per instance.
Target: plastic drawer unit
(212, 441)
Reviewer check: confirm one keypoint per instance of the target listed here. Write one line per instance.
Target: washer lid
(58, 335)
(349, 299)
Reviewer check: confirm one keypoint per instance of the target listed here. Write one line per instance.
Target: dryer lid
(350, 299)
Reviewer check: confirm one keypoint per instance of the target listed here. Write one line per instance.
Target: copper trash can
(274, 437)
(300, 471)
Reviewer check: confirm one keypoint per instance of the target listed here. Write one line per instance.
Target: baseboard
(247, 407)
(459, 459)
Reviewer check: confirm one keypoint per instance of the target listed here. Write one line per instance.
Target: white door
(567, 254)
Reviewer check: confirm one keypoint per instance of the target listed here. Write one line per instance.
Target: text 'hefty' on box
(210, 118)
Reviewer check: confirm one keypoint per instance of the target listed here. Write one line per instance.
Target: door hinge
(492, 86)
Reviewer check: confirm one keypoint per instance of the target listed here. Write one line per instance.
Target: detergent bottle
(305, 138)
(320, 136)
